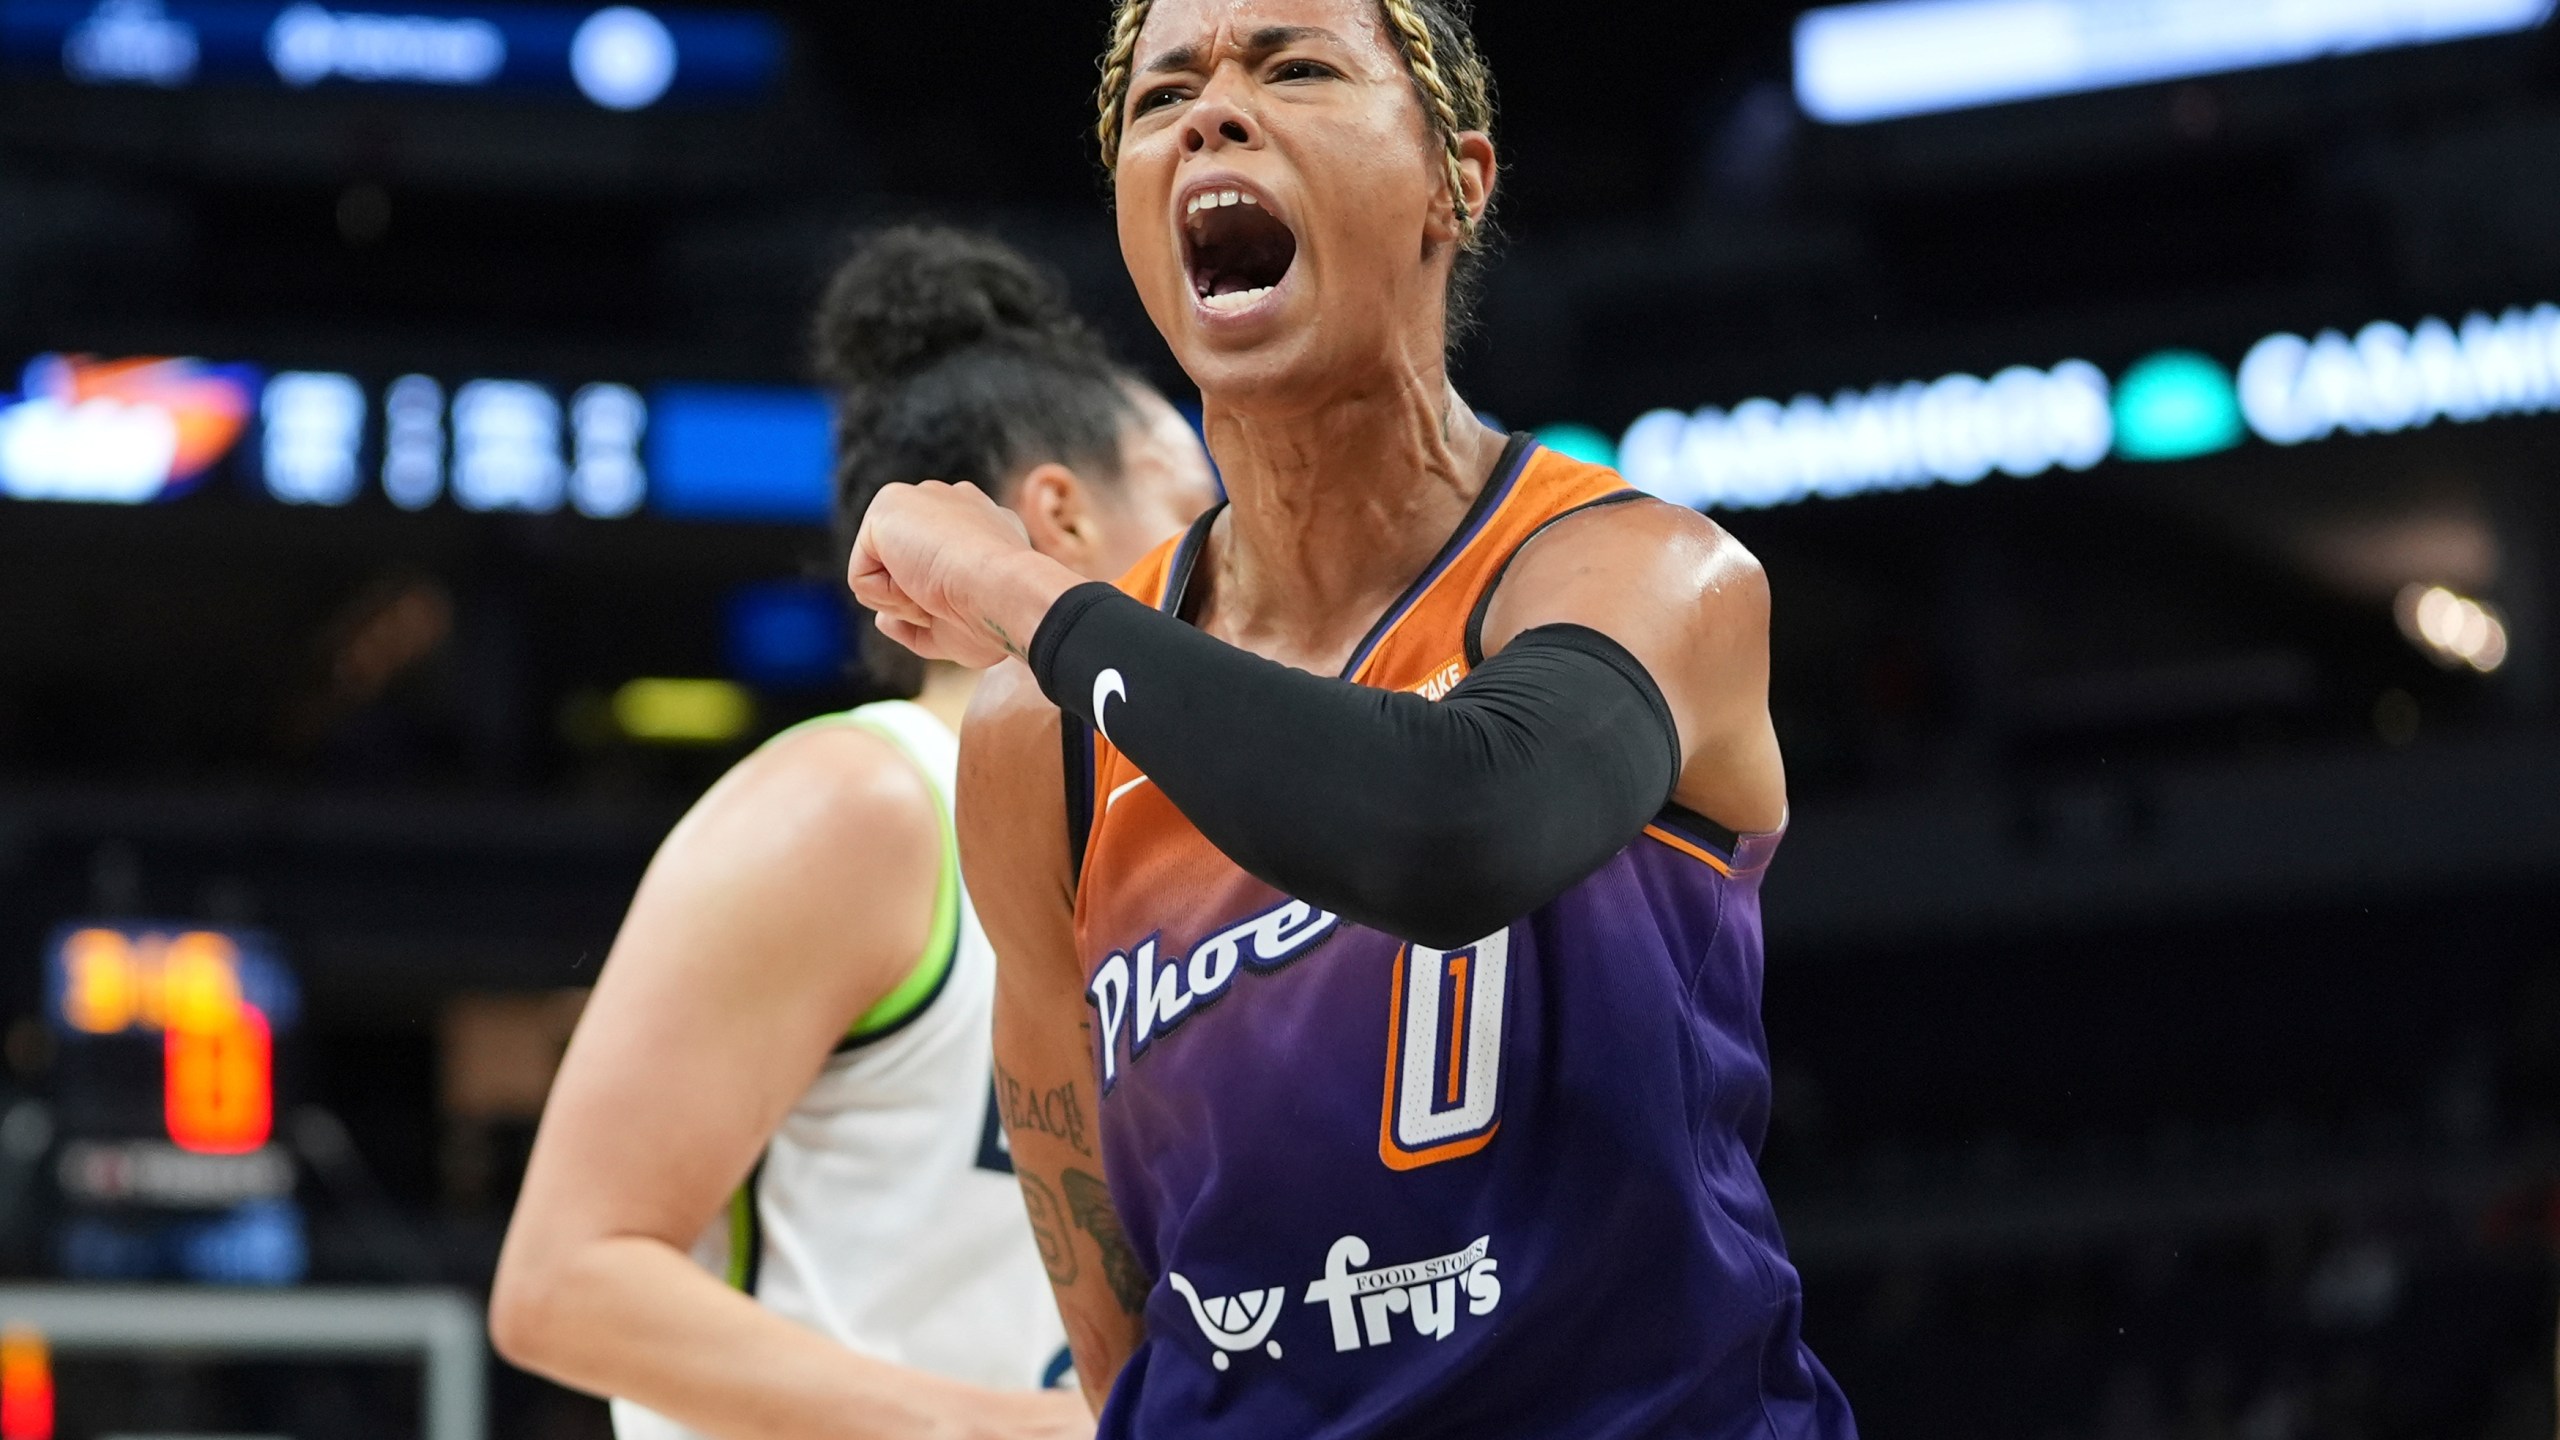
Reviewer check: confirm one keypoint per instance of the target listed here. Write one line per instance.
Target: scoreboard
(169, 1038)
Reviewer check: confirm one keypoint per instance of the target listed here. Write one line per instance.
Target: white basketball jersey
(884, 1212)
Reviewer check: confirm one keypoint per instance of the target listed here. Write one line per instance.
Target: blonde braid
(1413, 36)
(1113, 98)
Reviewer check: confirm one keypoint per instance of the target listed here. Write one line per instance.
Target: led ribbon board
(119, 432)
(2023, 422)
(619, 57)
(1892, 59)
(143, 431)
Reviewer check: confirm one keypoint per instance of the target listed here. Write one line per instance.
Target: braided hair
(1436, 38)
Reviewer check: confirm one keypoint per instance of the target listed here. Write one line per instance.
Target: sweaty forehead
(1216, 28)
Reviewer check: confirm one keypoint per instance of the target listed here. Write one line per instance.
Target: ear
(1057, 512)
(1476, 170)
(1475, 184)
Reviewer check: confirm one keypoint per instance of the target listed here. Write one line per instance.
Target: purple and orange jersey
(1508, 1189)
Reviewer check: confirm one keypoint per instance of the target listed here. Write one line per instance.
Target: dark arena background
(412, 496)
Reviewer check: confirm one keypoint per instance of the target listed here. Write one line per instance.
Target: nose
(1215, 121)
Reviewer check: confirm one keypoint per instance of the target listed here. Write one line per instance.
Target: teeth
(1240, 300)
(1216, 200)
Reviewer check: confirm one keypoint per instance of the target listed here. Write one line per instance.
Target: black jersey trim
(1484, 598)
(1176, 600)
(1179, 601)
(1075, 759)
(1699, 830)
(1497, 488)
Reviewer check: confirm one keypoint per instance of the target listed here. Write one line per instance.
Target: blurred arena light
(1580, 442)
(2388, 379)
(1956, 430)
(2177, 405)
(742, 452)
(26, 1385)
(119, 432)
(623, 58)
(683, 712)
(788, 635)
(619, 58)
(1892, 59)
(133, 431)
(2453, 630)
(314, 428)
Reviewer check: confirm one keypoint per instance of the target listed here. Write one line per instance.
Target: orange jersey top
(1425, 643)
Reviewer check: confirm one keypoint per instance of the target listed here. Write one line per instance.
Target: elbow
(524, 1311)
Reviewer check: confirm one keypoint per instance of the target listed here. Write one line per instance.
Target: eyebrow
(1257, 45)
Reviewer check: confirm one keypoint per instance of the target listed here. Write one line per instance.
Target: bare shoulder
(828, 797)
(1643, 560)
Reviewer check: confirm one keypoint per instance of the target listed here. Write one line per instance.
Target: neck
(947, 688)
(1333, 511)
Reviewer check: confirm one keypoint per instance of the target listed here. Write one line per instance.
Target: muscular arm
(793, 897)
(1629, 668)
(1692, 605)
(1013, 847)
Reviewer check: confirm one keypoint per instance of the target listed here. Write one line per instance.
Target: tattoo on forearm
(1056, 1112)
(1048, 1229)
(1011, 646)
(1089, 1200)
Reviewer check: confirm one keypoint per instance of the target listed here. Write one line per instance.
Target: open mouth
(1236, 248)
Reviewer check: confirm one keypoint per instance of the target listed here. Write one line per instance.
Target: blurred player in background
(771, 1195)
(1401, 912)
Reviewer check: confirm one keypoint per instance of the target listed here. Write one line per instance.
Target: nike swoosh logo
(1105, 686)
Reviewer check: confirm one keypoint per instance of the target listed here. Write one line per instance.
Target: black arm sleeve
(1435, 822)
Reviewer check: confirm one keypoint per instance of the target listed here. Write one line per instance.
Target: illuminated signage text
(1889, 59)
(2021, 422)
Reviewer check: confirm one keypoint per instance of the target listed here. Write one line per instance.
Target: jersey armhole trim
(746, 1234)
(1176, 598)
(1735, 854)
(1484, 597)
(924, 981)
(1075, 744)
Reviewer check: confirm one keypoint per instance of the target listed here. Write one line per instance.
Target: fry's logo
(1425, 1292)
(1361, 1304)
(1233, 1322)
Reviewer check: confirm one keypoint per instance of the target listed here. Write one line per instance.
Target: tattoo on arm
(1048, 1229)
(1011, 646)
(1056, 1113)
(1089, 1200)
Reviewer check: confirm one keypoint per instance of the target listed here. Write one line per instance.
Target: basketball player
(770, 1196)
(1398, 914)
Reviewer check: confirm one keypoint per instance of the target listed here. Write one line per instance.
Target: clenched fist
(951, 574)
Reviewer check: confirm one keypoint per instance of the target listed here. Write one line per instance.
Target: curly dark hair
(952, 357)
